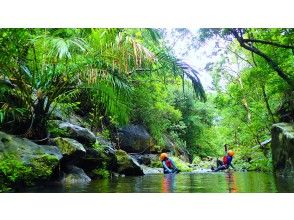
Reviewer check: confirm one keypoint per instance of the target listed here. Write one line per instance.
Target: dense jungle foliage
(112, 77)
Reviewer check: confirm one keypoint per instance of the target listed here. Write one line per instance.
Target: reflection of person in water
(168, 183)
(231, 181)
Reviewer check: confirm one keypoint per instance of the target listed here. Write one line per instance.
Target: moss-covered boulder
(66, 129)
(22, 162)
(127, 165)
(283, 148)
(76, 176)
(99, 158)
(69, 147)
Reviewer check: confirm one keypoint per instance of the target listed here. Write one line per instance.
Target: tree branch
(247, 61)
(270, 61)
(268, 43)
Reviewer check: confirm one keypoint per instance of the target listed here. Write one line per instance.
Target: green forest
(104, 80)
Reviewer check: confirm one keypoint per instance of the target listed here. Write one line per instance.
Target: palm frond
(114, 100)
(179, 67)
(154, 34)
(192, 74)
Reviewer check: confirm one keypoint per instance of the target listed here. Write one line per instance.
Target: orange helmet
(231, 153)
(163, 156)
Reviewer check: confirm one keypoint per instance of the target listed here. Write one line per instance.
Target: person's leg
(219, 163)
(220, 168)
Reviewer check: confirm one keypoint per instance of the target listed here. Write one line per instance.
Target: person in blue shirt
(226, 163)
(168, 165)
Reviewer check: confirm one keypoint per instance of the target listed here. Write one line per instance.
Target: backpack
(225, 160)
(169, 163)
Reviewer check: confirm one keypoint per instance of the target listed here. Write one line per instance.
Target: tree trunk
(38, 129)
(265, 98)
(244, 99)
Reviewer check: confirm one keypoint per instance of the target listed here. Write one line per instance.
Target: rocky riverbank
(73, 154)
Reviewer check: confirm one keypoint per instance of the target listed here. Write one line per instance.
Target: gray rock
(283, 148)
(76, 176)
(146, 159)
(127, 165)
(69, 147)
(98, 158)
(135, 139)
(102, 155)
(33, 162)
(66, 129)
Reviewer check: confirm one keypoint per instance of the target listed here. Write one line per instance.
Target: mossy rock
(127, 165)
(68, 146)
(283, 148)
(26, 163)
(43, 166)
(100, 156)
(65, 129)
(76, 176)
(99, 173)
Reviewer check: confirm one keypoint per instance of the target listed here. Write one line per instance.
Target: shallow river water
(232, 182)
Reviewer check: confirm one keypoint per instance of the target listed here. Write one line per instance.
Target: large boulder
(72, 151)
(127, 165)
(76, 175)
(66, 129)
(99, 159)
(69, 147)
(135, 139)
(283, 148)
(22, 162)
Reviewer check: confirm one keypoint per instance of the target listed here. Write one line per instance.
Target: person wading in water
(168, 165)
(227, 161)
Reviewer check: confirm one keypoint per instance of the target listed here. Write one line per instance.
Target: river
(223, 182)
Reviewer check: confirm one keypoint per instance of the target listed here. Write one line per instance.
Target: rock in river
(127, 165)
(76, 176)
(24, 162)
(283, 148)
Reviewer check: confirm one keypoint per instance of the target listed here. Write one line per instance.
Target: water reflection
(168, 182)
(231, 181)
(181, 183)
(284, 184)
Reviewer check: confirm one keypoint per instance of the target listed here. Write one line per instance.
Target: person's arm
(174, 165)
(226, 149)
(165, 167)
(230, 164)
